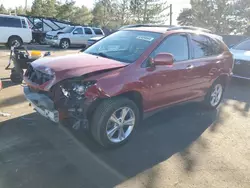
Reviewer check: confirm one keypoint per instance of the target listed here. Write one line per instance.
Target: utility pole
(171, 13)
(26, 5)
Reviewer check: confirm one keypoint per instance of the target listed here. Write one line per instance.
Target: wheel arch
(17, 36)
(134, 96)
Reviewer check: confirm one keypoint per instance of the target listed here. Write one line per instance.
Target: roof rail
(145, 25)
(190, 28)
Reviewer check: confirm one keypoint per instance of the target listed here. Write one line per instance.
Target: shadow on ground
(35, 152)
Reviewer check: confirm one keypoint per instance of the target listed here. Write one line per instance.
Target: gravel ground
(185, 146)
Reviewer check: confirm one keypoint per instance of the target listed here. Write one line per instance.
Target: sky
(178, 5)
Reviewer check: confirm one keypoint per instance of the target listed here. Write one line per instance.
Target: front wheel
(64, 44)
(114, 121)
(215, 95)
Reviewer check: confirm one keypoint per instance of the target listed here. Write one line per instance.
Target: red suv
(111, 86)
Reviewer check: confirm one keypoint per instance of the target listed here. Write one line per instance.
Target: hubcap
(15, 43)
(216, 95)
(65, 44)
(120, 124)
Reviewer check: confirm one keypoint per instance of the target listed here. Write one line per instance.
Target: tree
(149, 11)
(103, 13)
(37, 8)
(186, 17)
(46, 8)
(2, 9)
(211, 14)
(81, 16)
(65, 11)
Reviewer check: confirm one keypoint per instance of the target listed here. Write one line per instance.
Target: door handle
(189, 67)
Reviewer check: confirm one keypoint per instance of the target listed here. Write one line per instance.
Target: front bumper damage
(60, 111)
(42, 104)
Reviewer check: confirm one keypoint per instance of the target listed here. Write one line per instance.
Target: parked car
(93, 40)
(72, 36)
(15, 30)
(241, 54)
(128, 76)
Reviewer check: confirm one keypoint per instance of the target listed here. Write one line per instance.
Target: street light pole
(26, 5)
(171, 14)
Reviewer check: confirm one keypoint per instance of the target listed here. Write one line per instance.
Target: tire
(213, 98)
(101, 123)
(15, 41)
(64, 43)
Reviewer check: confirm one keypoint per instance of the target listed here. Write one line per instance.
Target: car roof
(171, 30)
(10, 16)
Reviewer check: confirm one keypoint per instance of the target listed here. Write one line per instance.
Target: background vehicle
(72, 36)
(93, 40)
(15, 30)
(127, 76)
(241, 54)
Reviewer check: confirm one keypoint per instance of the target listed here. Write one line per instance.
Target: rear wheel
(15, 41)
(64, 44)
(215, 95)
(114, 121)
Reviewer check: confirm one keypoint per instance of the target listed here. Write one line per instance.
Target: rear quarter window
(204, 46)
(98, 31)
(10, 22)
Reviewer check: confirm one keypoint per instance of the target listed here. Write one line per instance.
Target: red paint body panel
(159, 86)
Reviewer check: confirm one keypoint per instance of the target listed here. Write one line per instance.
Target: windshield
(125, 46)
(68, 29)
(245, 45)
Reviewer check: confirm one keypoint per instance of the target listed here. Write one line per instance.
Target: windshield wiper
(101, 54)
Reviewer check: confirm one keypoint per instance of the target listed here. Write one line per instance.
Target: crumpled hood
(241, 54)
(70, 66)
(53, 33)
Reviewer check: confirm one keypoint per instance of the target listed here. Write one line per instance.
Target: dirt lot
(186, 146)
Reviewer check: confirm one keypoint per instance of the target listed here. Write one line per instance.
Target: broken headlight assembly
(76, 88)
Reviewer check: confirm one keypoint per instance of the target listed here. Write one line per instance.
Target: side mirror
(163, 59)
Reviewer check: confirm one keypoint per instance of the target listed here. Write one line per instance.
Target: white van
(15, 30)
(72, 36)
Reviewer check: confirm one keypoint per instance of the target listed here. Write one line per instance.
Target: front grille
(241, 68)
(36, 76)
(49, 37)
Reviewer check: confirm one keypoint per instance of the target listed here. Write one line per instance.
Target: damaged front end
(65, 102)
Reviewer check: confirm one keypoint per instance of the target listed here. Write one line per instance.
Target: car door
(207, 59)
(77, 36)
(169, 84)
(88, 33)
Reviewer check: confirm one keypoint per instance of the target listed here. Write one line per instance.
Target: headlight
(77, 89)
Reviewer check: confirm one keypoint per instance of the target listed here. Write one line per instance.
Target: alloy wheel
(216, 95)
(120, 125)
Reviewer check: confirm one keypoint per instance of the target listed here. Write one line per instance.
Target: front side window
(78, 31)
(125, 46)
(68, 29)
(88, 31)
(177, 45)
(245, 45)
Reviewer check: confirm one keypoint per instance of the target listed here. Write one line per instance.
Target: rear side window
(10, 22)
(87, 31)
(24, 24)
(78, 31)
(204, 46)
(98, 31)
(177, 45)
